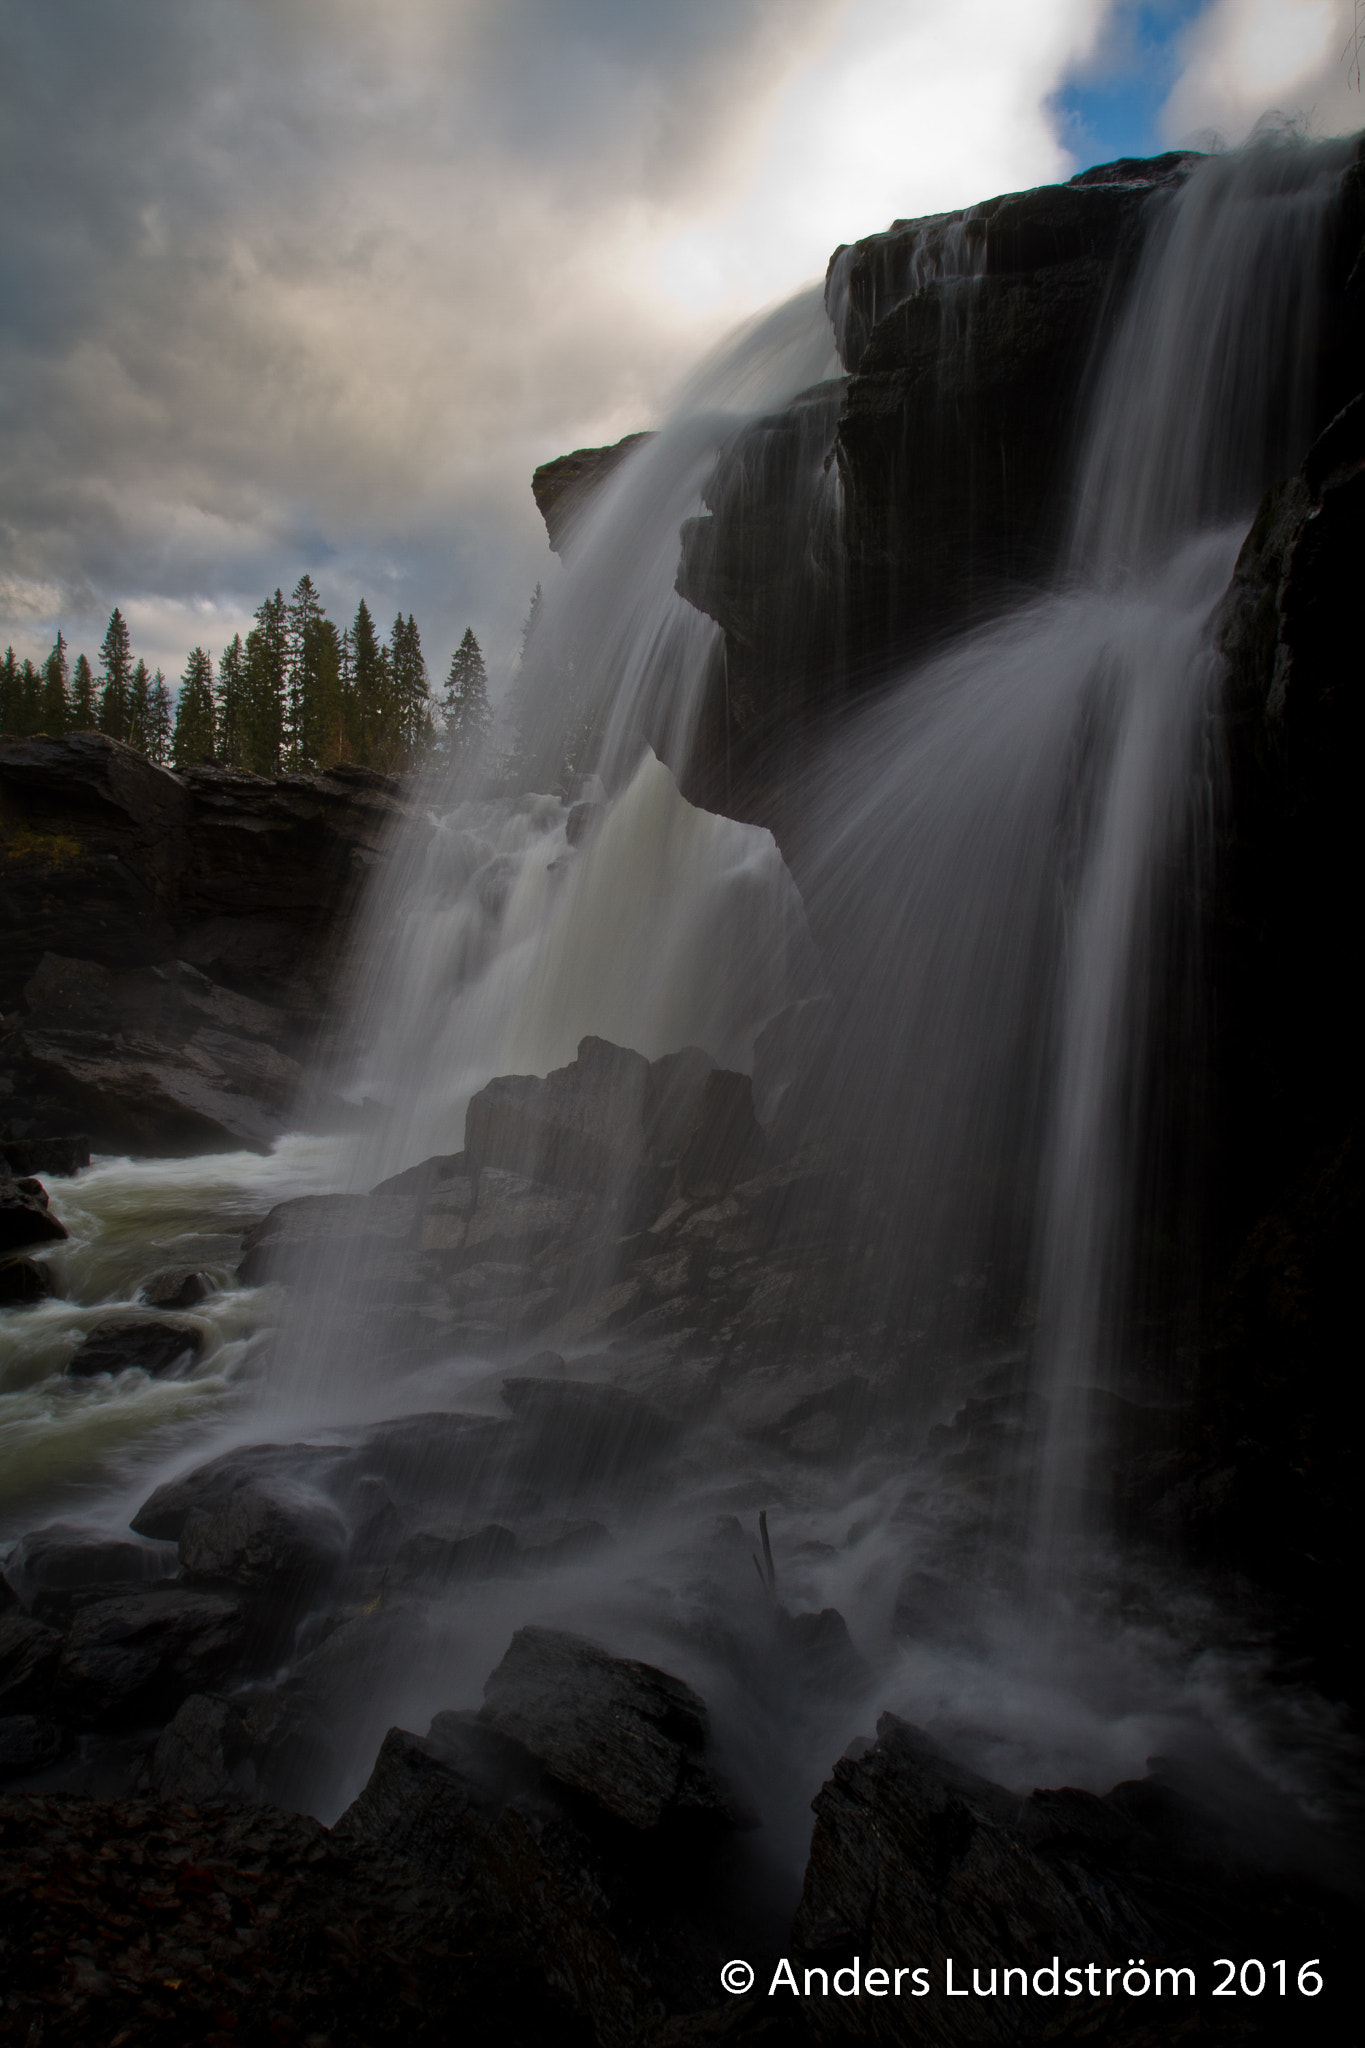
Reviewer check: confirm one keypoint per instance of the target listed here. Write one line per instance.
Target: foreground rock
(166, 1924)
(578, 1806)
(25, 1216)
(128, 1343)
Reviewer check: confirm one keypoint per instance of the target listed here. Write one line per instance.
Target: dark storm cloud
(313, 285)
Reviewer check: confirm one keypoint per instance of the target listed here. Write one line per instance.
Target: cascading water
(997, 857)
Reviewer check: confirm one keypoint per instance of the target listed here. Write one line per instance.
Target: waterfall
(1006, 855)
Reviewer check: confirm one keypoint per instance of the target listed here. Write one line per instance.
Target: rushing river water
(995, 855)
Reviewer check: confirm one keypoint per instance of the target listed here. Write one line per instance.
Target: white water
(992, 873)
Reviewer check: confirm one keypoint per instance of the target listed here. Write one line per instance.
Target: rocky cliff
(169, 943)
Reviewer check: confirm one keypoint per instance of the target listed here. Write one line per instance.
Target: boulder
(283, 1244)
(174, 1287)
(625, 1735)
(64, 1558)
(59, 1158)
(136, 1344)
(133, 1659)
(204, 1752)
(515, 1217)
(267, 1531)
(726, 1144)
(676, 1084)
(215, 1092)
(30, 1742)
(29, 1655)
(206, 1487)
(22, 1281)
(582, 1127)
(583, 1433)
(438, 1557)
(25, 1217)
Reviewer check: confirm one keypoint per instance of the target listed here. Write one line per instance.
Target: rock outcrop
(169, 943)
(565, 487)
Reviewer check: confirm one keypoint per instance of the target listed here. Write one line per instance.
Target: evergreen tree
(466, 716)
(30, 698)
(84, 717)
(265, 675)
(301, 621)
(231, 715)
(374, 738)
(325, 733)
(159, 720)
(116, 665)
(9, 693)
(411, 693)
(138, 729)
(55, 710)
(194, 713)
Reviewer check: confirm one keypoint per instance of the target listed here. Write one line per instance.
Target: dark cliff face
(883, 512)
(563, 488)
(169, 944)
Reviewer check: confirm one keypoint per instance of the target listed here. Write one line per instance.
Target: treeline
(296, 694)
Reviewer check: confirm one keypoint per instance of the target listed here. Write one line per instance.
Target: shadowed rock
(127, 1344)
(624, 1734)
(25, 1217)
(29, 1654)
(134, 1658)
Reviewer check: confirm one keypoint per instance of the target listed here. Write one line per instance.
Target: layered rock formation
(169, 943)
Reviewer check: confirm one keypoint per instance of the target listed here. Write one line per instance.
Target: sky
(294, 285)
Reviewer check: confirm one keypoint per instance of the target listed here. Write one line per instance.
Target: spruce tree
(265, 675)
(159, 721)
(231, 704)
(194, 714)
(411, 694)
(116, 667)
(138, 729)
(325, 737)
(55, 710)
(84, 715)
(30, 698)
(466, 716)
(301, 620)
(372, 721)
(9, 693)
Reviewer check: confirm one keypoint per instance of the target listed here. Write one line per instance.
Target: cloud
(314, 284)
(1244, 59)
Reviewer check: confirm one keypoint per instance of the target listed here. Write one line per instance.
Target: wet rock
(57, 1157)
(133, 1659)
(824, 1651)
(22, 1281)
(726, 1144)
(25, 1217)
(281, 1245)
(676, 1086)
(907, 1839)
(563, 1543)
(174, 1287)
(30, 1742)
(433, 1457)
(29, 1654)
(437, 1557)
(64, 1558)
(827, 1424)
(216, 1092)
(266, 1531)
(580, 822)
(582, 1127)
(515, 1217)
(624, 1734)
(579, 1433)
(564, 488)
(204, 1752)
(621, 1913)
(164, 1514)
(128, 1344)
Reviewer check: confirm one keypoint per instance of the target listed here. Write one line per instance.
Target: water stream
(998, 869)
